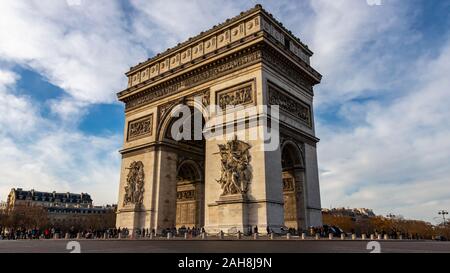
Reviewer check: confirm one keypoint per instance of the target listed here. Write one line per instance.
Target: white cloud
(398, 159)
(48, 155)
(84, 50)
(18, 113)
(162, 24)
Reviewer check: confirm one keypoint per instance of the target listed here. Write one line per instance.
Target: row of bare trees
(372, 225)
(37, 217)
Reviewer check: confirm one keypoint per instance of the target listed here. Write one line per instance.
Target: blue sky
(382, 109)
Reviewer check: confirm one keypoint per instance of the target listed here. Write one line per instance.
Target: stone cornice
(298, 72)
(220, 67)
(217, 39)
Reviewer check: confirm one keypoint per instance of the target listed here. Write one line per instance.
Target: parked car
(440, 238)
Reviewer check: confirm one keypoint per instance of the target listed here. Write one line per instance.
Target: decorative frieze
(285, 67)
(204, 46)
(140, 128)
(213, 71)
(238, 95)
(234, 30)
(288, 104)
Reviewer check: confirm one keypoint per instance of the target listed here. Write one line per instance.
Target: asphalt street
(222, 246)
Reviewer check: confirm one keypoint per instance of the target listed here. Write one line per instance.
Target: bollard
(105, 236)
(271, 236)
(342, 236)
(67, 237)
(353, 236)
(288, 236)
(330, 236)
(386, 237)
(317, 237)
(169, 235)
(151, 236)
(56, 236)
(78, 236)
(379, 236)
(204, 236)
(255, 236)
(185, 235)
(363, 237)
(303, 236)
(372, 237)
(400, 237)
(221, 235)
(239, 235)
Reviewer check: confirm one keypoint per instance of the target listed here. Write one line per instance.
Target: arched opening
(293, 186)
(190, 196)
(187, 209)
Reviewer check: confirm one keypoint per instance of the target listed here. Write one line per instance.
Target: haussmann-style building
(228, 183)
(61, 208)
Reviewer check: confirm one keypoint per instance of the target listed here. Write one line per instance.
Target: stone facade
(62, 208)
(227, 183)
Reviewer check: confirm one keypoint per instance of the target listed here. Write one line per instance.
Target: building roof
(68, 197)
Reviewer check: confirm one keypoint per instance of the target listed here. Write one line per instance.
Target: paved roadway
(222, 246)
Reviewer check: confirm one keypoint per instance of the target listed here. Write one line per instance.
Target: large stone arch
(166, 118)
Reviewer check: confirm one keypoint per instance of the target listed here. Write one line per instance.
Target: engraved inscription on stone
(239, 95)
(140, 128)
(290, 105)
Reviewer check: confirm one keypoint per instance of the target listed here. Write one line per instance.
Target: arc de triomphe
(250, 63)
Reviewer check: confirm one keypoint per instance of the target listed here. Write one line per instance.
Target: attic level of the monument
(246, 29)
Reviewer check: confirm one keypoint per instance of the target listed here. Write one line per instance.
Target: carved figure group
(236, 170)
(134, 189)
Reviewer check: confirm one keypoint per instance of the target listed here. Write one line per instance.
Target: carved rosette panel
(288, 104)
(239, 95)
(140, 128)
(236, 172)
(134, 189)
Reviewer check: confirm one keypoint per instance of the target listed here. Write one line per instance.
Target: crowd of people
(191, 232)
(111, 233)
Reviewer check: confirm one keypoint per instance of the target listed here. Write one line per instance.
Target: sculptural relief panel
(140, 128)
(236, 172)
(289, 105)
(241, 94)
(134, 188)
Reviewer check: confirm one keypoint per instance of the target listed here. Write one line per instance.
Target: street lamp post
(443, 213)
